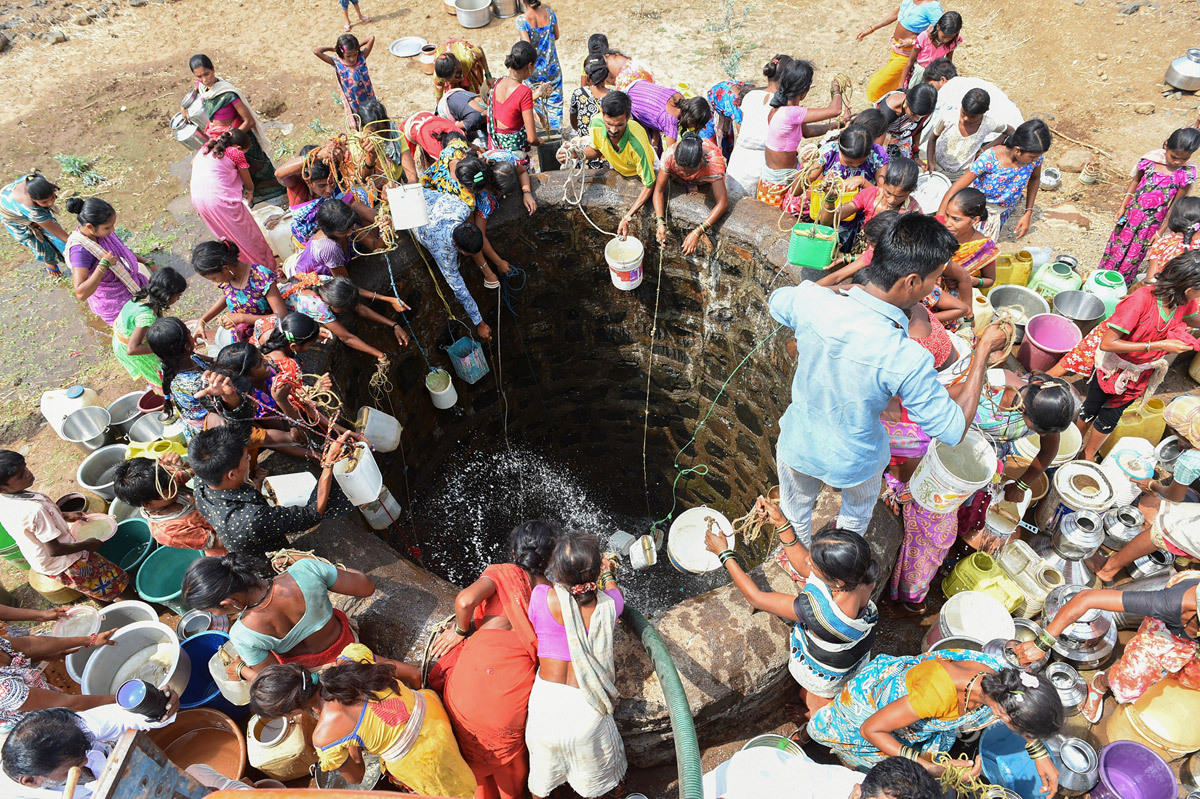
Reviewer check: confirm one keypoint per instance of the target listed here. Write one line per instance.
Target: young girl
(788, 123)
(392, 159)
(911, 18)
(510, 105)
(487, 182)
(585, 101)
(27, 211)
(938, 41)
(725, 99)
(1182, 234)
(894, 193)
(1159, 179)
(1147, 325)
(159, 488)
(328, 250)
(103, 270)
(853, 154)
(324, 298)
(906, 112)
(221, 186)
(966, 213)
(351, 68)
(697, 162)
(749, 149)
(165, 288)
(539, 27)
(249, 289)
(1005, 172)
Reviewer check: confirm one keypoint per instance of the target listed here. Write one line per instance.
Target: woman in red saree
(488, 660)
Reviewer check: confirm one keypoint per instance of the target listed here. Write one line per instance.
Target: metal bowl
(88, 428)
(955, 642)
(1071, 688)
(124, 411)
(1084, 309)
(146, 429)
(95, 474)
(1029, 302)
(1079, 765)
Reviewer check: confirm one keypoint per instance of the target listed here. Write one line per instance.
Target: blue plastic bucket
(466, 355)
(1007, 764)
(202, 690)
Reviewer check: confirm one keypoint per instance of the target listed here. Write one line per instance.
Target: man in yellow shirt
(624, 144)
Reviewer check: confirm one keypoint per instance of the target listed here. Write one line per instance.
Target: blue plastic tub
(201, 690)
(1007, 764)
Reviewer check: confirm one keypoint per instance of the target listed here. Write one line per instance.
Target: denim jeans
(798, 494)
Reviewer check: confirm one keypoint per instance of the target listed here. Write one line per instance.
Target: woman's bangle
(1021, 484)
(374, 295)
(728, 555)
(979, 283)
(1037, 750)
(1045, 641)
(908, 752)
(238, 671)
(527, 191)
(784, 526)
(460, 632)
(795, 540)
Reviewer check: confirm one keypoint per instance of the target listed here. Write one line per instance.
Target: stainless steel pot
(955, 642)
(473, 13)
(88, 428)
(1079, 535)
(1072, 690)
(1189, 773)
(1184, 72)
(1090, 628)
(123, 411)
(146, 429)
(1157, 561)
(1079, 766)
(1028, 631)
(506, 8)
(1167, 452)
(1084, 309)
(1121, 525)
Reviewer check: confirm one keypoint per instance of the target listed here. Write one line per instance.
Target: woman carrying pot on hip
(1165, 644)
(917, 706)
(1148, 325)
(833, 617)
(912, 18)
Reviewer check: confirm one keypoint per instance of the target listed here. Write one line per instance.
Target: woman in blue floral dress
(539, 27)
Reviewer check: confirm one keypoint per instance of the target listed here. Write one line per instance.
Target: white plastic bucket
(643, 554)
(112, 617)
(381, 429)
(685, 540)
(1078, 485)
(1131, 457)
(1069, 443)
(624, 257)
(959, 362)
(289, 490)
(276, 226)
(406, 204)
(441, 389)
(222, 338)
(947, 476)
(975, 615)
(931, 188)
(383, 511)
(359, 476)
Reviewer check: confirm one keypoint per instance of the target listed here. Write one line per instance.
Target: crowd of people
(522, 696)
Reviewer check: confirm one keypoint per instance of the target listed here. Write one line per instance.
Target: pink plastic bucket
(1048, 337)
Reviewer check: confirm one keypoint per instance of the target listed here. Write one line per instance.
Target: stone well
(589, 346)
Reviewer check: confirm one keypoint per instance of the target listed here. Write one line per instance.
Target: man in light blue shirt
(853, 355)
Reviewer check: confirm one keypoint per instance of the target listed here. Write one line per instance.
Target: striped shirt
(632, 157)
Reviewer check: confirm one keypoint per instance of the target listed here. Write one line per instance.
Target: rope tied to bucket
(958, 778)
(749, 527)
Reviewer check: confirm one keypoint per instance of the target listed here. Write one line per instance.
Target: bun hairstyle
(844, 558)
(445, 65)
(163, 286)
(38, 188)
(295, 328)
(596, 69)
(1184, 140)
(921, 99)
(92, 211)
(575, 565)
(520, 56)
(855, 142)
(200, 60)
(1031, 136)
(694, 114)
(972, 202)
(795, 79)
(505, 177)
(902, 174)
(346, 43)
(210, 257)
(210, 581)
(282, 689)
(532, 543)
(1185, 219)
(1031, 702)
(233, 137)
(238, 359)
(774, 67)
(689, 152)
(1051, 404)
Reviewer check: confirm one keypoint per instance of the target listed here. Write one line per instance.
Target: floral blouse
(253, 298)
(440, 177)
(15, 681)
(1003, 186)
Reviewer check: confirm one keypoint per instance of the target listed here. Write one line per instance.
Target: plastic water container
(931, 188)
(811, 246)
(406, 204)
(1109, 286)
(1048, 337)
(948, 475)
(10, 551)
(130, 545)
(468, 360)
(56, 404)
(982, 310)
(235, 691)
(1007, 764)
(281, 747)
(276, 226)
(1032, 575)
(685, 540)
(1053, 278)
(382, 430)
(1078, 485)
(384, 511)
(1133, 459)
(358, 476)
(202, 689)
(980, 572)
(441, 389)
(624, 259)
(642, 553)
(161, 577)
(1069, 443)
(289, 490)
(816, 198)
(1144, 420)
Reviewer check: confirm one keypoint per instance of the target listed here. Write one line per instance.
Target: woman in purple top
(329, 248)
(350, 64)
(103, 270)
(657, 108)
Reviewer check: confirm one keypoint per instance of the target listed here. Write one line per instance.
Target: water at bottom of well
(465, 513)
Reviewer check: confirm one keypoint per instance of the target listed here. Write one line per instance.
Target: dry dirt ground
(1091, 68)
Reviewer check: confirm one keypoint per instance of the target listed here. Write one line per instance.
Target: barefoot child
(160, 489)
(345, 4)
(351, 67)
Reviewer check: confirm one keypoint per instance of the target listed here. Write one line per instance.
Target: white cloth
(33, 520)
(592, 649)
(763, 773)
(955, 152)
(750, 148)
(105, 724)
(949, 104)
(570, 742)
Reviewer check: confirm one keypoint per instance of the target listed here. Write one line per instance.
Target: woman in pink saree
(220, 187)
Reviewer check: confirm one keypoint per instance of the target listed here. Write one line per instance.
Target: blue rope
(510, 287)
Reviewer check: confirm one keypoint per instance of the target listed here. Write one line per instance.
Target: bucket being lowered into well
(468, 360)
(624, 258)
(441, 389)
(948, 475)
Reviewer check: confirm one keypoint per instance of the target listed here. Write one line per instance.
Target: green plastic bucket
(130, 545)
(10, 551)
(161, 577)
(812, 246)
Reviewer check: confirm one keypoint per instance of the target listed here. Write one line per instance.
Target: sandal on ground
(1093, 706)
